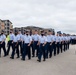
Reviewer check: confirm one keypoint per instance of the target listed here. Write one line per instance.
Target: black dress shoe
(54, 54)
(46, 57)
(22, 59)
(7, 54)
(29, 58)
(44, 60)
(36, 56)
(17, 57)
(39, 60)
(33, 56)
(50, 56)
(11, 57)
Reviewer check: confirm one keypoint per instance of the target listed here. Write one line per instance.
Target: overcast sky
(57, 14)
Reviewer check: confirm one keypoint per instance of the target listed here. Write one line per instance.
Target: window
(8, 24)
(5, 31)
(7, 28)
(8, 32)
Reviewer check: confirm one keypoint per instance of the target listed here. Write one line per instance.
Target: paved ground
(62, 64)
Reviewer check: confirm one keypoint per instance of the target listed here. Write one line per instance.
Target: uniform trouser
(21, 48)
(68, 44)
(0, 48)
(4, 48)
(36, 47)
(41, 52)
(32, 48)
(26, 51)
(46, 50)
(61, 47)
(64, 45)
(70, 41)
(58, 45)
(49, 50)
(9, 45)
(15, 49)
(54, 48)
(73, 41)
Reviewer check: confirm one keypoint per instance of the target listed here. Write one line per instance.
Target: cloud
(56, 14)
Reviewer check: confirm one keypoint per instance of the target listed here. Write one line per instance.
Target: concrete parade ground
(62, 64)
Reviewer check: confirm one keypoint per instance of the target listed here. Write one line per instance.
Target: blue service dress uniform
(35, 38)
(15, 47)
(68, 41)
(11, 36)
(20, 43)
(2, 43)
(54, 44)
(42, 42)
(58, 44)
(49, 46)
(26, 51)
(61, 43)
(64, 39)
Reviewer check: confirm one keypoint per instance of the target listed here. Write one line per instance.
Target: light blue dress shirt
(42, 39)
(35, 37)
(27, 39)
(11, 36)
(49, 38)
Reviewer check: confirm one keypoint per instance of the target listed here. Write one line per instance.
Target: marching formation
(35, 45)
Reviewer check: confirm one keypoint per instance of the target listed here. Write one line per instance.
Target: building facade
(6, 26)
(2, 27)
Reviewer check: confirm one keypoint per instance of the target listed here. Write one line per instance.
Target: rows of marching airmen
(36, 45)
